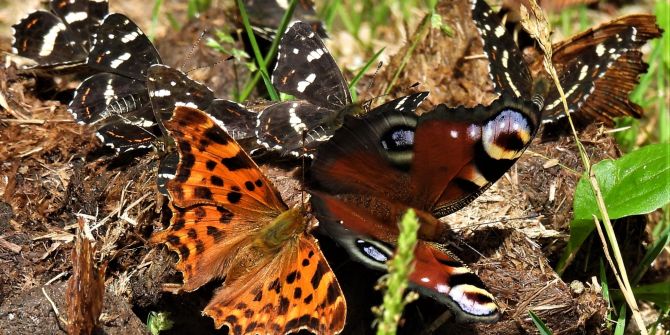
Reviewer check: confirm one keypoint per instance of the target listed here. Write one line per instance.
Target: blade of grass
(652, 252)
(260, 60)
(541, 327)
(534, 18)
(422, 30)
(273, 49)
(154, 19)
(621, 321)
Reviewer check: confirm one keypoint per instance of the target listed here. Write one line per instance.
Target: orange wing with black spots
(297, 290)
(230, 222)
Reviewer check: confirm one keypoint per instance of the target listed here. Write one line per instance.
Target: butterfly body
(230, 222)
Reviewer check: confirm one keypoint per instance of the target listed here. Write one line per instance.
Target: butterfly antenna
(211, 65)
(366, 105)
(192, 51)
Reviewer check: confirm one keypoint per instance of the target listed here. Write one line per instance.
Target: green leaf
(541, 327)
(621, 321)
(634, 184)
(658, 293)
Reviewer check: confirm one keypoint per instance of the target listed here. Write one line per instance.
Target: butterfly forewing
(120, 46)
(43, 37)
(81, 16)
(306, 70)
(215, 170)
(60, 38)
(507, 69)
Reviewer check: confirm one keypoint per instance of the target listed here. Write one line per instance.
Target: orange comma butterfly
(230, 222)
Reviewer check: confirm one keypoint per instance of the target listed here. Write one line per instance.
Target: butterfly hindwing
(599, 68)
(369, 239)
(305, 279)
(306, 70)
(117, 96)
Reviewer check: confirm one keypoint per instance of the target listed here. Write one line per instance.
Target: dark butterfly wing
(280, 126)
(298, 127)
(236, 120)
(130, 131)
(600, 67)
(61, 40)
(81, 16)
(170, 88)
(120, 46)
(368, 239)
(117, 98)
(266, 15)
(43, 37)
(507, 69)
(437, 162)
(306, 70)
(166, 171)
(104, 95)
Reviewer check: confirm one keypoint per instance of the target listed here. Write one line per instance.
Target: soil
(53, 171)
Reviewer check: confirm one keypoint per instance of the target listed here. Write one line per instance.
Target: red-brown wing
(368, 237)
(295, 290)
(438, 162)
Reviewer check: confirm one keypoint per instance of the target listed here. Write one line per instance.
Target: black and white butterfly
(597, 68)
(169, 88)
(59, 38)
(306, 70)
(116, 98)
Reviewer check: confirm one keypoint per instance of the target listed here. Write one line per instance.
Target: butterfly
(229, 221)
(306, 70)
(59, 38)
(377, 166)
(169, 87)
(116, 99)
(597, 68)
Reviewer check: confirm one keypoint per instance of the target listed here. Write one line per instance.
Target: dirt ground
(53, 171)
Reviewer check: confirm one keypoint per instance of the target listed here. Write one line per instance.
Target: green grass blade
(260, 60)
(541, 327)
(154, 19)
(652, 252)
(621, 321)
(249, 87)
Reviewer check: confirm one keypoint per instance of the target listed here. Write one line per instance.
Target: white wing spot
(303, 84)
